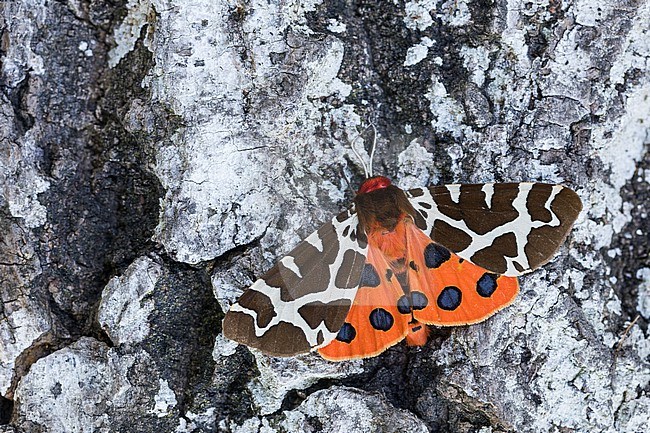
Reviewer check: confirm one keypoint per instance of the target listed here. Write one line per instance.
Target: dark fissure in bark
(103, 201)
(634, 245)
(6, 409)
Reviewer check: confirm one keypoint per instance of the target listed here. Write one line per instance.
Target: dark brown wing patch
(543, 241)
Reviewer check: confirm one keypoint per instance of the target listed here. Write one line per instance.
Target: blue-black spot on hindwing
(420, 300)
(381, 319)
(347, 333)
(487, 284)
(389, 275)
(369, 276)
(449, 298)
(404, 305)
(435, 255)
(413, 265)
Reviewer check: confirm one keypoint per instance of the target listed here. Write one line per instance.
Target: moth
(397, 261)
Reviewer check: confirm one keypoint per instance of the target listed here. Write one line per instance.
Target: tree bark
(157, 156)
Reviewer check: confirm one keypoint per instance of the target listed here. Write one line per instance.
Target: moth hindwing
(506, 228)
(302, 301)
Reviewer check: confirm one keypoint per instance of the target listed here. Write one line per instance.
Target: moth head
(373, 184)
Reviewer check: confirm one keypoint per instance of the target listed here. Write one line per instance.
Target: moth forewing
(302, 301)
(508, 228)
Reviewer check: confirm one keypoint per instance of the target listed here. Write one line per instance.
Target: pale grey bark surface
(157, 155)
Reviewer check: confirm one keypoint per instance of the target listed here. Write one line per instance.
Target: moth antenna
(374, 147)
(363, 164)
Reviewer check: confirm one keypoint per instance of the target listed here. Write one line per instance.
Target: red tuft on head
(373, 183)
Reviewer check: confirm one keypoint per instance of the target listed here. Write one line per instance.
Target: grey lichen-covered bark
(157, 156)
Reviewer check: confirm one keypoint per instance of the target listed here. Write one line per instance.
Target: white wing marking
(454, 193)
(488, 190)
(314, 240)
(290, 264)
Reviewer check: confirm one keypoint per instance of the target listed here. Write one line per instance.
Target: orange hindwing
(449, 291)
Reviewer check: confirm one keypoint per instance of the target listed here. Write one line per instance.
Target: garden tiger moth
(397, 261)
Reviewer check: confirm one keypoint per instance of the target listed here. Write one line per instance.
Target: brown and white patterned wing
(302, 301)
(506, 228)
